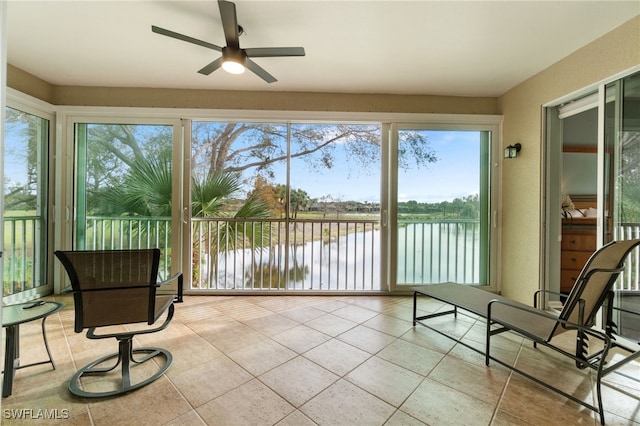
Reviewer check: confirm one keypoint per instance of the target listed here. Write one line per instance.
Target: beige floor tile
(271, 324)
(413, 357)
(429, 339)
(303, 315)
(438, 404)
(354, 313)
(503, 418)
(281, 304)
(162, 403)
(250, 404)
(232, 336)
(192, 418)
(483, 382)
(346, 404)
(301, 338)
(329, 304)
(376, 303)
(210, 380)
(191, 353)
(389, 325)
(622, 402)
(262, 356)
(367, 339)
(197, 312)
(389, 382)
(401, 311)
(524, 399)
(337, 357)
(298, 380)
(400, 418)
(240, 309)
(296, 419)
(331, 324)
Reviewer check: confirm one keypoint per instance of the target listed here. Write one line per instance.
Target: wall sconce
(512, 151)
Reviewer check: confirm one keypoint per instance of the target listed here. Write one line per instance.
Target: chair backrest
(112, 287)
(595, 281)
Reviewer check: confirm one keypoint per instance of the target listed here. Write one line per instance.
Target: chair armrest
(180, 278)
(169, 280)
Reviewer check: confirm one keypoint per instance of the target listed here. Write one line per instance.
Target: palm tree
(147, 189)
(211, 197)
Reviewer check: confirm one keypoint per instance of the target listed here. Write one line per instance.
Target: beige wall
(521, 106)
(244, 100)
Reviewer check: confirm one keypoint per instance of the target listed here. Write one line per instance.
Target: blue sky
(455, 174)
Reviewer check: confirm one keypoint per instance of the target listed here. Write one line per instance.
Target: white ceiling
(472, 48)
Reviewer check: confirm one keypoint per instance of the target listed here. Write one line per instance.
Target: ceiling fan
(234, 59)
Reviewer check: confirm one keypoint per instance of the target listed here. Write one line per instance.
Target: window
(281, 205)
(25, 203)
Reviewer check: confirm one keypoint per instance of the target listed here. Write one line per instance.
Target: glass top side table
(12, 317)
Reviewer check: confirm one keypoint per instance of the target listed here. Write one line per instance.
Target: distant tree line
(460, 208)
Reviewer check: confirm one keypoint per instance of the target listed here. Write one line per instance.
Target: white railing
(278, 254)
(630, 278)
(332, 255)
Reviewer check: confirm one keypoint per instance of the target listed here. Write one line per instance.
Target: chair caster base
(91, 369)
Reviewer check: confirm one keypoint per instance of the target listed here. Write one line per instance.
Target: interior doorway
(592, 170)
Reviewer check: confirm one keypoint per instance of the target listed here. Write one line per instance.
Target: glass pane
(25, 212)
(335, 239)
(622, 192)
(443, 207)
(287, 208)
(124, 188)
(236, 204)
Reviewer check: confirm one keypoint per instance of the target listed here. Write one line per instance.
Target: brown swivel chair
(118, 288)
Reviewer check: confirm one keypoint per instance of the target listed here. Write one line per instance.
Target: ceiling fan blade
(183, 37)
(266, 52)
(259, 71)
(229, 23)
(208, 69)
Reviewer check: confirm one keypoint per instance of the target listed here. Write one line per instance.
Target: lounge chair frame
(540, 325)
(155, 307)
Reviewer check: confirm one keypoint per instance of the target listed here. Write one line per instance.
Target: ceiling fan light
(233, 67)
(233, 60)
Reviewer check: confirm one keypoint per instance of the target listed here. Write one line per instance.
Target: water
(427, 253)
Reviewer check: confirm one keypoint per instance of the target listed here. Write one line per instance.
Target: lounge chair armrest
(556, 293)
(530, 309)
(537, 295)
(544, 314)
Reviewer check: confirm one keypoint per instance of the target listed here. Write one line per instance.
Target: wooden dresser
(578, 244)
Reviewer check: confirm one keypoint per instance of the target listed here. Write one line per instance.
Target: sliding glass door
(127, 187)
(265, 206)
(621, 190)
(285, 206)
(442, 205)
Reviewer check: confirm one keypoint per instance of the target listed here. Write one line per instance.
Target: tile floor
(305, 360)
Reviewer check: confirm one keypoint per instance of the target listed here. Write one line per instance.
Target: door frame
(491, 124)
(551, 174)
(64, 208)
